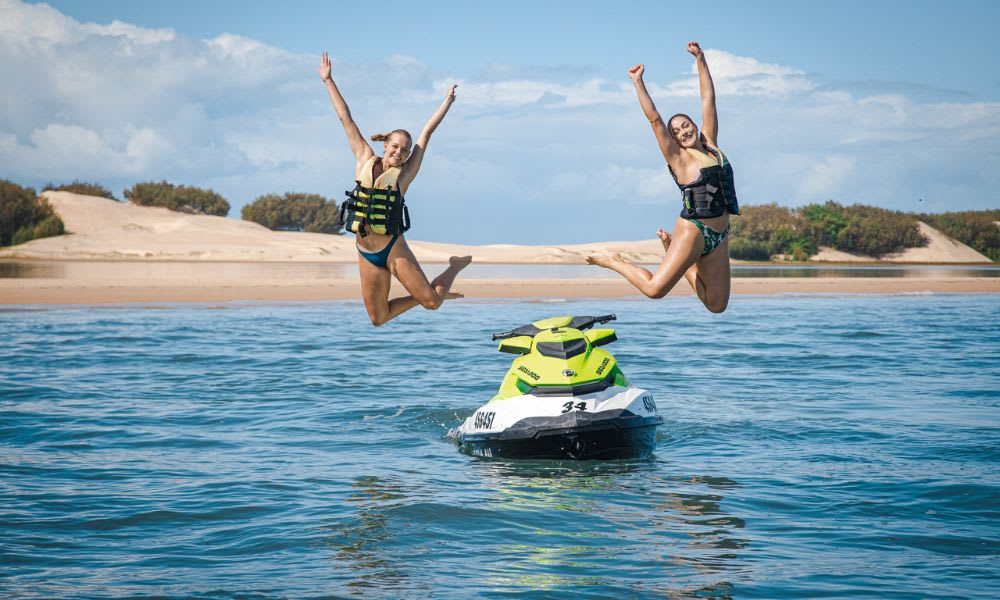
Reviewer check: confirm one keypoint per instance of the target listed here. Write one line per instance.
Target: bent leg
(375, 283)
(711, 279)
(429, 294)
(682, 251)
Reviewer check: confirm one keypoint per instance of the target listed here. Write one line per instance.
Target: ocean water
(814, 446)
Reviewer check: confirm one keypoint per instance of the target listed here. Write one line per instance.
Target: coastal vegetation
(81, 187)
(294, 212)
(768, 230)
(978, 229)
(24, 216)
(181, 198)
(763, 232)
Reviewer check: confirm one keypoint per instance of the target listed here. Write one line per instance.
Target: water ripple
(814, 447)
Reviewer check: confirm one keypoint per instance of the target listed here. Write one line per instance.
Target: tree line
(760, 233)
(25, 215)
(769, 230)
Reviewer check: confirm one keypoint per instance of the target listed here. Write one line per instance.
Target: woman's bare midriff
(373, 242)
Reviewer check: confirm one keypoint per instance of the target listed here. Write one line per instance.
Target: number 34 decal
(570, 406)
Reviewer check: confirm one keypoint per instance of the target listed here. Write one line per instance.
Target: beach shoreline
(120, 253)
(198, 282)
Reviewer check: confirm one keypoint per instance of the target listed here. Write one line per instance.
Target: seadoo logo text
(529, 373)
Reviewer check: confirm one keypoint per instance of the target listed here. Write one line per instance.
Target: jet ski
(564, 397)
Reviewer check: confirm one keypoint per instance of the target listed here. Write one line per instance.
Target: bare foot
(665, 238)
(604, 260)
(460, 261)
(442, 283)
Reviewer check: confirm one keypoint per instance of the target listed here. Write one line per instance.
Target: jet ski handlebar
(576, 323)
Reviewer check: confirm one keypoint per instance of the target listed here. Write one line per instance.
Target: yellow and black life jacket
(375, 204)
(713, 193)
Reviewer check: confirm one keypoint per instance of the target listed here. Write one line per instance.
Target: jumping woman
(376, 213)
(698, 250)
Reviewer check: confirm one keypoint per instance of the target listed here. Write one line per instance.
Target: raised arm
(668, 145)
(709, 116)
(362, 151)
(412, 165)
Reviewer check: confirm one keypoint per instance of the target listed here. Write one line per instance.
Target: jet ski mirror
(600, 337)
(520, 344)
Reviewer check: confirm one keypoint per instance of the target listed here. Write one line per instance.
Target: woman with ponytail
(376, 213)
(698, 250)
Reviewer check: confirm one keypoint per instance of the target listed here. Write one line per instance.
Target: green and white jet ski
(564, 398)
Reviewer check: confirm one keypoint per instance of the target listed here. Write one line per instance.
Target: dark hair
(384, 137)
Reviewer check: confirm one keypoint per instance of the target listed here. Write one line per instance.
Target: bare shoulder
(362, 165)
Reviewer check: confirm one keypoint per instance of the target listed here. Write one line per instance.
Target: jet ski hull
(616, 424)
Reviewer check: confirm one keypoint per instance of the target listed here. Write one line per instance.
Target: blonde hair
(384, 137)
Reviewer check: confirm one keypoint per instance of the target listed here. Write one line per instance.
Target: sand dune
(103, 229)
(939, 249)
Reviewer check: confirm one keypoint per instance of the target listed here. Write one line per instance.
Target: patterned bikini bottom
(713, 238)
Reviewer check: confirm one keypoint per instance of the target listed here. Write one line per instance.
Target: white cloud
(743, 76)
(35, 24)
(524, 147)
(130, 32)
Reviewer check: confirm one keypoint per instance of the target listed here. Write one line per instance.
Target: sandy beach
(120, 253)
(58, 291)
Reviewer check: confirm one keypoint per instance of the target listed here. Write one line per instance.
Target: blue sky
(895, 104)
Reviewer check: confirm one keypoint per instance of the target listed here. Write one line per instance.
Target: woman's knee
(430, 301)
(379, 315)
(378, 319)
(717, 305)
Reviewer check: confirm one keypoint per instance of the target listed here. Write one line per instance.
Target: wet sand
(130, 282)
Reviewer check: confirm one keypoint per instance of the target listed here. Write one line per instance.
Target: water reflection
(907, 271)
(175, 271)
(31, 270)
(662, 534)
(319, 271)
(359, 542)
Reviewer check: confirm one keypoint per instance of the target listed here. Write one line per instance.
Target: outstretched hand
(636, 72)
(694, 49)
(324, 69)
(450, 94)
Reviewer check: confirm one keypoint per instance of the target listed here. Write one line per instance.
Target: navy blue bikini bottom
(381, 258)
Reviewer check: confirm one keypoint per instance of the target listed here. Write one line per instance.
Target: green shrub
(824, 222)
(82, 187)
(768, 229)
(25, 216)
(180, 198)
(22, 235)
(49, 226)
(798, 233)
(294, 212)
(876, 231)
(743, 249)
